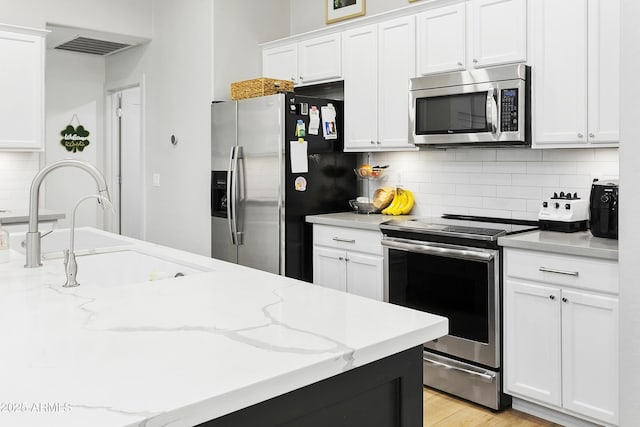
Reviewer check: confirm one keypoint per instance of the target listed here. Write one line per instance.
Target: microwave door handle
(492, 111)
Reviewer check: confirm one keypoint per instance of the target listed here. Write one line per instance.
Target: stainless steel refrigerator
(258, 204)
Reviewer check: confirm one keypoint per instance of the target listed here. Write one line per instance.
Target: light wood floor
(442, 410)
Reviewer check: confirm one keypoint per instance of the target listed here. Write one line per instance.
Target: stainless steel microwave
(488, 107)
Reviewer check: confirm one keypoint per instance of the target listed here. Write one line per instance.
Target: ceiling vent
(92, 42)
(92, 46)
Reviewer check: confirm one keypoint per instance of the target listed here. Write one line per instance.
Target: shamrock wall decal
(74, 139)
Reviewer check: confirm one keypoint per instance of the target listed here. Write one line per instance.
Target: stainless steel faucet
(70, 264)
(33, 252)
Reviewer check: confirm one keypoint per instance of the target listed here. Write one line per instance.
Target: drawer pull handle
(552, 270)
(338, 239)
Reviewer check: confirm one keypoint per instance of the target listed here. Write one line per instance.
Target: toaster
(564, 212)
(603, 208)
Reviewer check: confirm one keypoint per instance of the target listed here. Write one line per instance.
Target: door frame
(111, 221)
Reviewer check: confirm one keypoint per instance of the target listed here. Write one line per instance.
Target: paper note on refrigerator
(299, 161)
(329, 129)
(314, 120)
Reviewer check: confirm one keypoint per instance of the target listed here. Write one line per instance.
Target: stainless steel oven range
(452, 266)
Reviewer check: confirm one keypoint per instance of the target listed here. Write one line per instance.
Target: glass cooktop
(481, 228)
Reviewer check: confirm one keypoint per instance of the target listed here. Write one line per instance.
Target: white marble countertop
(16, 216)
(353, 220)
(178, 351)
(581, 243)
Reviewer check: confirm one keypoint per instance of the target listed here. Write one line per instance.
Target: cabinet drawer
(354, 239)
(565, 270)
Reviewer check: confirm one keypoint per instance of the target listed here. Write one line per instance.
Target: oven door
(458, 282)
(491, 113)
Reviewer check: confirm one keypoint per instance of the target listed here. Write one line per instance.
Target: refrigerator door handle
(231, 196)
(234, 196)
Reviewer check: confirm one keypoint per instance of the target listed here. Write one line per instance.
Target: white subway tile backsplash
(17, 170)
(569, 155)
(510, 182)
(535, 180)
(519, 155)
(518, 192)
(551, 168)
(475, 155)
(504, 167)
(475, 190)
(504, 203)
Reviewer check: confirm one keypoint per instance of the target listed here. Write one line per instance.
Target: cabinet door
(442, 39)
(396, 65)
(559, 72)
(499, 31)
(604, 71)
(329, 268)
(319, 59)
(532, 341)
(281, 62)
(364, 275)
(360, 88)
(22, 90)
(590, 355)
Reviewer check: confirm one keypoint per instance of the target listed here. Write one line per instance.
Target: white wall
(629, 214)
(239, 26)
(74, 85)
(16, 173)
(310, 15)
(507, 183)
(116, 16)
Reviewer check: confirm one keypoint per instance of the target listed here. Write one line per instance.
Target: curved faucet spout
(33, 235)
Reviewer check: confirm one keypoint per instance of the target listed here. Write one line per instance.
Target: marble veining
(179, 351)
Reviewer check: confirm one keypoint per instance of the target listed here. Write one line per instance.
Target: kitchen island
(223, 343)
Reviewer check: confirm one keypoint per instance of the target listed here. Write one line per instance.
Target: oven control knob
(567, 206)
(557, 205)
(545, 204)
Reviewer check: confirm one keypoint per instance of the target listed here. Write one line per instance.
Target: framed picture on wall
(338, 10)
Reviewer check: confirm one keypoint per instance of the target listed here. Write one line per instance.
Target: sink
(55, 243)
(128, 266)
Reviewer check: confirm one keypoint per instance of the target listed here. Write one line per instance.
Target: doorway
(127, 162)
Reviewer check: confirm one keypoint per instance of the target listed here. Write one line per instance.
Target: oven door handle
(482, 376)
(437, 250)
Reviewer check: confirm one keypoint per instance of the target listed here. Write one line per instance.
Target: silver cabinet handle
(301, 78)
(552, 297)
(372, 141)
(475, 61)
(553, 270)
(564, 300)
(580, 135)
(484, 377)
(339, 239)
(459, 64)
(592, 135)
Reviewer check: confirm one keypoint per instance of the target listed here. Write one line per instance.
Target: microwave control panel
(509, 110)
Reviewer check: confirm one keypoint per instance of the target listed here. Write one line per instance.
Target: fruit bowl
(362, 207)
(371, 172)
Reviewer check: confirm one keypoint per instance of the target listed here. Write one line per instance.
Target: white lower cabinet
(348, 260)
(561, 340)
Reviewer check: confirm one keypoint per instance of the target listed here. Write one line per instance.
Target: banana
(406, 208)
(392, 205)
(401, 203)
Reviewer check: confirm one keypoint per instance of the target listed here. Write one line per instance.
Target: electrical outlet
(156, 180)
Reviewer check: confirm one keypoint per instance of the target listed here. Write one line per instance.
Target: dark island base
(385, 393)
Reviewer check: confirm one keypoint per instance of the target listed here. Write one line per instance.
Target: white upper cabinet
(310, 61)
(474, 34)
(441, 39)
(21, 90)
(498, 32)
(575, 66)
(378, 61)
(281, 62)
